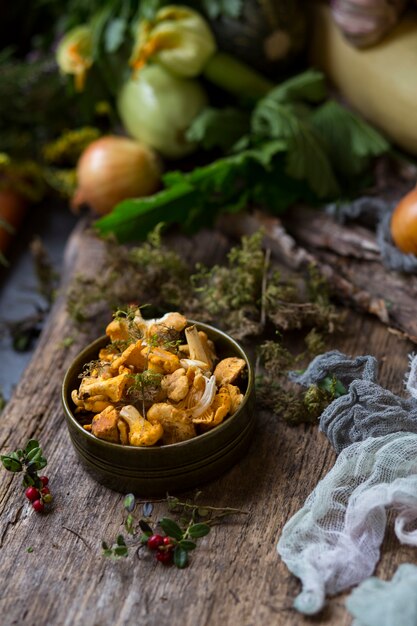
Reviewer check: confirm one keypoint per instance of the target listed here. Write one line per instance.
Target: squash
(380, 82)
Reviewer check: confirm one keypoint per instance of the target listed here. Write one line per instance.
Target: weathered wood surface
(235, 576)
(347, 255)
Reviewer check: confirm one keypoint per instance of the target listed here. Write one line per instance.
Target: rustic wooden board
(235, 575)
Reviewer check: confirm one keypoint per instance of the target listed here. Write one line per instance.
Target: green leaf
(34, 455)
(218, 128)
(10, 463)
(180, 557)
(187, 545)
(129, 502)
(198, 530)
(104, 545)
(306, 157)
(32, 444)
(114, 34)
(120, 540)
(133, 219)
(171, 528)
(350, 141)
(121, 551)
(129, 524)
(310, 86)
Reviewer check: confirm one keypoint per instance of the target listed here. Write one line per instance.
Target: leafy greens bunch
(293, 144)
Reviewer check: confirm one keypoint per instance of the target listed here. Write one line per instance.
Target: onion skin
(113, 169)
(404, 223)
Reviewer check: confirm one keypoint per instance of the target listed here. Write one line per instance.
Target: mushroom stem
(197, 350)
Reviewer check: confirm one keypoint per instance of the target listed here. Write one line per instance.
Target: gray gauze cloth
(367, 410)
(386, 602)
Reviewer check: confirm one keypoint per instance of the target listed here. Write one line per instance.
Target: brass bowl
(153, 471)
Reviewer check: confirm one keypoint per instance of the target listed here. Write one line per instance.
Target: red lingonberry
(44, 480)
(38, 506)
(164, 557)
(155, 541)
(45, 490)
(32, 494)
(168, 541)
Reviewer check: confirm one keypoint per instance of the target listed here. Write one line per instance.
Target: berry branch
(176, 539)
(30, 461)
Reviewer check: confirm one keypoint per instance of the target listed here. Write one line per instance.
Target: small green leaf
(180, 557)
(129, 502)
(28, 481)
(108, 552)
(120, 551)
(41, 463)
(30, 550)
(144, 538)
(120, 541)
(129, 524)
(187, 545)
(34, 455)
(104, 545)
(198, 530)
(31, 445)
(171, 528)
(11, 464)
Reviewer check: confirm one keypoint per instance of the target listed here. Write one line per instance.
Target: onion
(206, 399)
(404, 223)
(112, 169)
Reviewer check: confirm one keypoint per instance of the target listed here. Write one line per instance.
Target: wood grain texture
(235, 575)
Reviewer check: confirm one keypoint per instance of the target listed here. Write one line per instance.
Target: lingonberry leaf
(34, 455)
(144, 526)
(180, 557)
(32, 444)
(187, 545)
(104, 545)
(198, 530)
(10, 463)
(144, 538)
(120, 551)
(129, 502)
(147, 509)
(121, 540)
(129, 524)
(171, 528)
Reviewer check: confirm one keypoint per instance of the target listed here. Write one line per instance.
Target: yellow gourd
(380, 82)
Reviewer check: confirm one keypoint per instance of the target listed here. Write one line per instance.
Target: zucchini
(380, 82)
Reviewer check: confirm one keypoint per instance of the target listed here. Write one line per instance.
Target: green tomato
(157, 108)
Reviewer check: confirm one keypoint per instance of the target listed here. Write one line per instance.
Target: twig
(264, 285)
(74, 532)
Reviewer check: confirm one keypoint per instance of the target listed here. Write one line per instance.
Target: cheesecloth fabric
(386, 603)
(334, 541)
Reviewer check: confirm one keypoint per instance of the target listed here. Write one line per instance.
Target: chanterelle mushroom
(228, 370)
(104, 425)
(118, 330)
(175, 422)
(141, 431)
(112, 388)
(236, 398)
(176, 385)
(217, 411)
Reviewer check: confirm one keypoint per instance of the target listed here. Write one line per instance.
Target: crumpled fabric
(334, 541)
(367, 410)
(376, 213)
(386, 603)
